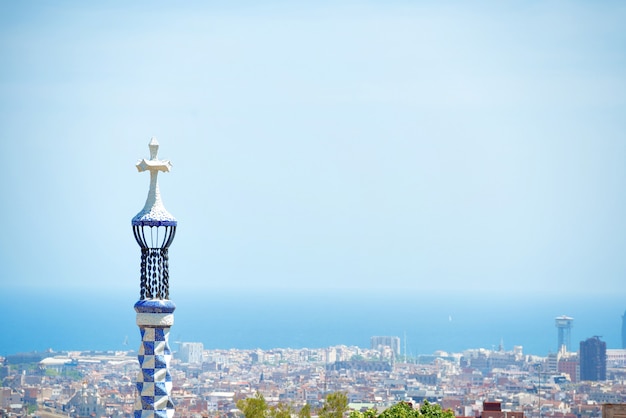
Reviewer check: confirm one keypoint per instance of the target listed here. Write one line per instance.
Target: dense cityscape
(159, 381)
(206, 383)
(384, 206)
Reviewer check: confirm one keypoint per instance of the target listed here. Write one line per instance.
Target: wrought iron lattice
(154, 245)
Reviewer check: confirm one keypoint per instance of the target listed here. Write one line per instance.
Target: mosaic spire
(154, 228)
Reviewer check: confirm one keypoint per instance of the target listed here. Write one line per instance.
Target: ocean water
(38, 321)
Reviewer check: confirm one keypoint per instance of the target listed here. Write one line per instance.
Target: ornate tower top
(153, 212)
(154, 228)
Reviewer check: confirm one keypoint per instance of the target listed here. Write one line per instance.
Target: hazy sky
(409, 145)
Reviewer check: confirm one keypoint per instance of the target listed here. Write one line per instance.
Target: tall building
(624, 330)
(191, 353)
(154, 230)
(592, 358)
(376, 343)
(564, 325)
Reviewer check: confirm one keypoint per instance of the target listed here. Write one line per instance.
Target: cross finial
(154, 213)
(154, 164)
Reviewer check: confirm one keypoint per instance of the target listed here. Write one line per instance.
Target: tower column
(154, 229)
(154, 382)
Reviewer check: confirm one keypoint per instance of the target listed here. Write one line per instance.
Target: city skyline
(235, 319)
(214, 379)
(411, 147)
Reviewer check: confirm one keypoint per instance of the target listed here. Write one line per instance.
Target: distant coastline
(247, 320)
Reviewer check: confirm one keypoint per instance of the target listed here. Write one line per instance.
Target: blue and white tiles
(154, 228)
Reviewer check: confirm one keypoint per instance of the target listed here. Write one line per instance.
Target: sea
(39, 320)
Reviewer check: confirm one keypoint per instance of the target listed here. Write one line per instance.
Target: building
(624, 330)
(191, 353)
(378, 343)
(613, 411)
(592, 358)
(494, 410)
(615, 357)
(86, 403)
(564, 325)
(568, 364)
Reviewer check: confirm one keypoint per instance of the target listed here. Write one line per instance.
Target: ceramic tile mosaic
(154, 381)
(154, 228)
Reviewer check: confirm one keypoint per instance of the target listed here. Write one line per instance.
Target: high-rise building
(154, 230)
(592, 358)
(376, 343)
(564, 325)
(624, 330)
(191, 353)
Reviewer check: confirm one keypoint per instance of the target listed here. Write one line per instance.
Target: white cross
(153, 164)
(154, 209)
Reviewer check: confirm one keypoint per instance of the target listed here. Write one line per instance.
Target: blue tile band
(154, 381)
(155, 306)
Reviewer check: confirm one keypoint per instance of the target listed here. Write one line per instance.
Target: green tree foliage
(431, 410)
(51, 372)
(335, 405)
(255, 407)
(400, 410)
(406, 410)
(282, 410)
(305, 411)
(370, 413)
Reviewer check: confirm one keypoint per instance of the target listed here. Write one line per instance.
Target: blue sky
(411, 146)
